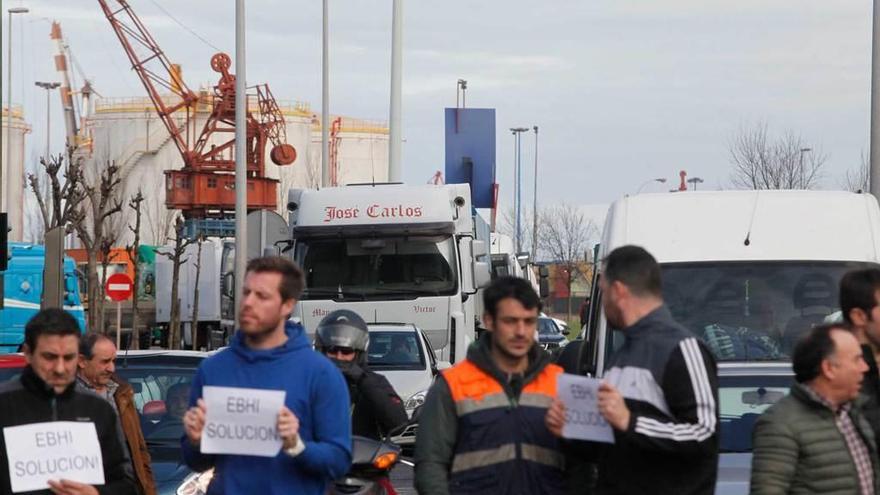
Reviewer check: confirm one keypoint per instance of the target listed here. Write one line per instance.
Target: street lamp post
(395, 167)
(535, 201)
(6, 163)
(694, 181)
(325, 97)
(801, 165)
(48, 86)
(240, 152)
(661, 180)
(517, 131)
(874, 160)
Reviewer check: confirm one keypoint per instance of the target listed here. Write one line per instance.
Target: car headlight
(416, 400)
(196, 483)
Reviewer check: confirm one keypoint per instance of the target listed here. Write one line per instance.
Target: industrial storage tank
(14, 180)
(127, 131)
(358, 152)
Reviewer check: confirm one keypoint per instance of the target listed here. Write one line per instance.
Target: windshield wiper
(334, 293)
(404, 290)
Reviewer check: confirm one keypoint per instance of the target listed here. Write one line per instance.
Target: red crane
(205, 186)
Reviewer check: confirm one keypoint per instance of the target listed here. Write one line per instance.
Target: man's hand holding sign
(587, 409)
(242, 421)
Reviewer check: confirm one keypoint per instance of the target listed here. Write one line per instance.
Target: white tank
(362, 155)
(14, 181)
(127, 131)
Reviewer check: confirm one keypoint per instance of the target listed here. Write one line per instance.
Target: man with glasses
(343, 336)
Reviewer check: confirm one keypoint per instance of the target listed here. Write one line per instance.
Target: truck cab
(393, 253)
(23, 290)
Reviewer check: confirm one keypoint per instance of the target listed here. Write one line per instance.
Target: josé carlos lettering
(373, 211)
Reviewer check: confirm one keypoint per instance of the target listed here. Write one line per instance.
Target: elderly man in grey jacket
(816, 439)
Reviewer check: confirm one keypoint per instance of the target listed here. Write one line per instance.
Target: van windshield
(378, 267)
(752, 311)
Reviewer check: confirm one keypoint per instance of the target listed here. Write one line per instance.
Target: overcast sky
(623, 91)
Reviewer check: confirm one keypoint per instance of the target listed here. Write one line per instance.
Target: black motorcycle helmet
(343, 328)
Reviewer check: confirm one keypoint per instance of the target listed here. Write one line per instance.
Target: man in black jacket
(859, 296)
(343, 336)
(660, 390)
(47, 392)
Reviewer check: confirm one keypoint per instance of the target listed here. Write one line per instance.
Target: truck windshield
(752, 311)
(378, 267)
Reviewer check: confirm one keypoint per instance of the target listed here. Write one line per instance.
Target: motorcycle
(371, 464)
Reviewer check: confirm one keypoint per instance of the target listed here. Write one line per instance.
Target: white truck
(216, 309)
(393, 253)
(506, 261)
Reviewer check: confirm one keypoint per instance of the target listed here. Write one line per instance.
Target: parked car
(156, 376)
(550, 336)
(745, 390)
(403, 354)
(161, 380)
(11, 366)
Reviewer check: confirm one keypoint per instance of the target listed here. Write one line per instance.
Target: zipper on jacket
(54, 403)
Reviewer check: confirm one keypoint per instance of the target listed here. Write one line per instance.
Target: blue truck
(23, 287)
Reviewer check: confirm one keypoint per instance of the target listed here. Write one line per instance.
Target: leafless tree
(858, 180)
(160, 220)
(507, 225)
(286, 181)
(133, 250)
(176, 255)
(58, 189)
(200, 239)
(90, 220)
(566, 240)
(761, 162)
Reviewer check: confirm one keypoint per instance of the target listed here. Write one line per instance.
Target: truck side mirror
(482, 274)
(228, 287)
(523, 259)
(478, 249)
(543, 287)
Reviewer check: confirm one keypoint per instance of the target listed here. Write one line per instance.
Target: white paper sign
(56, 450)
(582, 418)
(242, 421)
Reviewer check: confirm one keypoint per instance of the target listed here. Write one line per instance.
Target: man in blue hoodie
(269, 352)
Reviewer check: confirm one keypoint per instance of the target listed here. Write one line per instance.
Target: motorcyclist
(342, 336)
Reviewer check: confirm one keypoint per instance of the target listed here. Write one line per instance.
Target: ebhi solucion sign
(242, 421)
(54, 450)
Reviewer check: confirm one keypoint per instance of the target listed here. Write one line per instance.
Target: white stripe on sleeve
(705, 402)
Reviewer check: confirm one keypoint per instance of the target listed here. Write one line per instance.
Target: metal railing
(292, 108)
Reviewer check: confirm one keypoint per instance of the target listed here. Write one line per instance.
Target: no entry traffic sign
(119, 287)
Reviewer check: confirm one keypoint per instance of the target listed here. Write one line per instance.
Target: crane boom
(205, 185)
(154, 70)
(70, 123)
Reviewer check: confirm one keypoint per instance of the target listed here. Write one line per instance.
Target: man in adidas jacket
(660, 393)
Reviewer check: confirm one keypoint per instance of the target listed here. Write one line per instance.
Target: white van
(748, 272)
